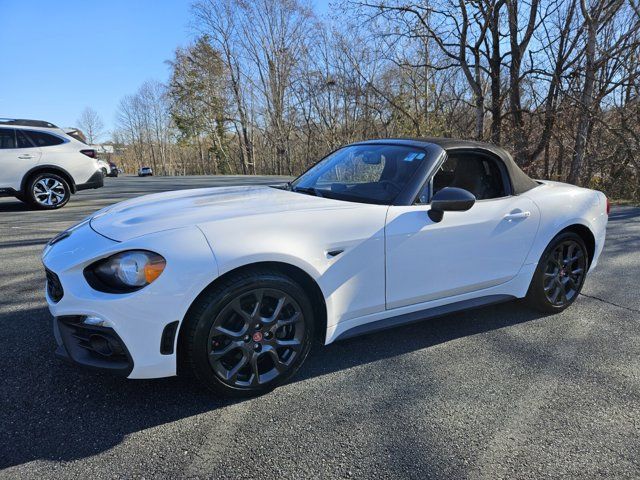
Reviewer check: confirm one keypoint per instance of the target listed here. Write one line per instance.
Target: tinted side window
(477, 174)
(7, 138)
(41, 139)
(22, 141)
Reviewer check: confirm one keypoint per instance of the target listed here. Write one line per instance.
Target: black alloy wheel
(249, 334)
(560, 274)
(564, 273)
(256, 337)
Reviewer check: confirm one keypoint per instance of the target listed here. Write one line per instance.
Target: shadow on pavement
(624, 213)
(14, 206)
(54, 411)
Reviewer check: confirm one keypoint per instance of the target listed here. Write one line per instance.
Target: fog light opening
(101, 345)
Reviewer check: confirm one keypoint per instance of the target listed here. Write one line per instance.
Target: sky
(59, 57)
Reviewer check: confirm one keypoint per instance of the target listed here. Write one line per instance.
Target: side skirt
(426, 314)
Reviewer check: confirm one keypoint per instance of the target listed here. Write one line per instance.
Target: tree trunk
(586, 100)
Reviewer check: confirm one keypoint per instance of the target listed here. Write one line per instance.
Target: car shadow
(54, 411)
(9, 205)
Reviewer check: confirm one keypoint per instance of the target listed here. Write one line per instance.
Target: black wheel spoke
(229, 333)
(218, 354)
(293, 344)
(564, 273)
(256, 338)
(278, 364)
(295, 318)
(255, 372)
(278, 309)
(237, 308)
(258, 305)
(563, 292)
(232, 374)
(574, 258)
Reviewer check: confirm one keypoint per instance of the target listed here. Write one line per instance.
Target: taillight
(608, 206)
(90, 153)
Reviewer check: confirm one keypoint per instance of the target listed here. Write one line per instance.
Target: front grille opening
(54, 287)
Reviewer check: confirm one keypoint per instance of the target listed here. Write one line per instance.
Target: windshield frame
(411, 189)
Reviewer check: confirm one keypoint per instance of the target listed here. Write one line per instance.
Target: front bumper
(95, 181)
(132, 334)
(91, 346)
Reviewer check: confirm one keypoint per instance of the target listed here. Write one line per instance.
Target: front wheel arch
(308, 284)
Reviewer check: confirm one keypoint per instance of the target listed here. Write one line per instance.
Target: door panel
(466, 251)
(14, 161)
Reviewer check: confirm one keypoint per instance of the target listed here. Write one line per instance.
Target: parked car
(113, 170)
(234, 284)
(145, 172)
(42, 165)
(105, 168)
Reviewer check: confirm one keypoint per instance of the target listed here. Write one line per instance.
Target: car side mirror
(450, 199)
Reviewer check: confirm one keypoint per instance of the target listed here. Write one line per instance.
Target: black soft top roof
(520, 181)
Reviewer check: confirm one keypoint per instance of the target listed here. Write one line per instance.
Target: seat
(469, 174)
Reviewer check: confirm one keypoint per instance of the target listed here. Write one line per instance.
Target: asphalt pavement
(498, 392)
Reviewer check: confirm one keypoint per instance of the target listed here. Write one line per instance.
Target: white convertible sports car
(235, 284)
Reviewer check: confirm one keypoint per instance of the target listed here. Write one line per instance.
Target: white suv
(42, 165)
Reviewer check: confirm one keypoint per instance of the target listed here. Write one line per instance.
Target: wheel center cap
(257, 337)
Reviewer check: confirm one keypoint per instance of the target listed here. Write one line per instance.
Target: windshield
(362, 173)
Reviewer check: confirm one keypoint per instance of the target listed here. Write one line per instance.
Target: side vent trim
(168, 338)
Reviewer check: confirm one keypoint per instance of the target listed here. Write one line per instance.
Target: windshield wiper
(282, 186)
(307, 190)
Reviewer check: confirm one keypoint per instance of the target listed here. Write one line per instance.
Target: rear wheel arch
(586, 235)
(302, 278)
(47, 169)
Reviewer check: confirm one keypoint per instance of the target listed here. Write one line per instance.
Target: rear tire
(47, 191)
(248, 334)
(560, 274)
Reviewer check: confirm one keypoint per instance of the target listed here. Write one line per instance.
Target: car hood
(182, 208)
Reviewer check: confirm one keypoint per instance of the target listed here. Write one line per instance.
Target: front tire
(248, 334)
(560, 274)
(47, 191)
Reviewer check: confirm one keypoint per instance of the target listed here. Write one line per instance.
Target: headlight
(125, 271)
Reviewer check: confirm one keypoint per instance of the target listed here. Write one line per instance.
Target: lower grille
(94, 346)
(54, 287)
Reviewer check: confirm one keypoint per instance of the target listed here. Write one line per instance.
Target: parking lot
(499, 392)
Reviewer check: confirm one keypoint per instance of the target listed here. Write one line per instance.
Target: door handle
(27, 156)
(517, 216)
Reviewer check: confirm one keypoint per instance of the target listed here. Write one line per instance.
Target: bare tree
(268, 87)
(91, 125)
